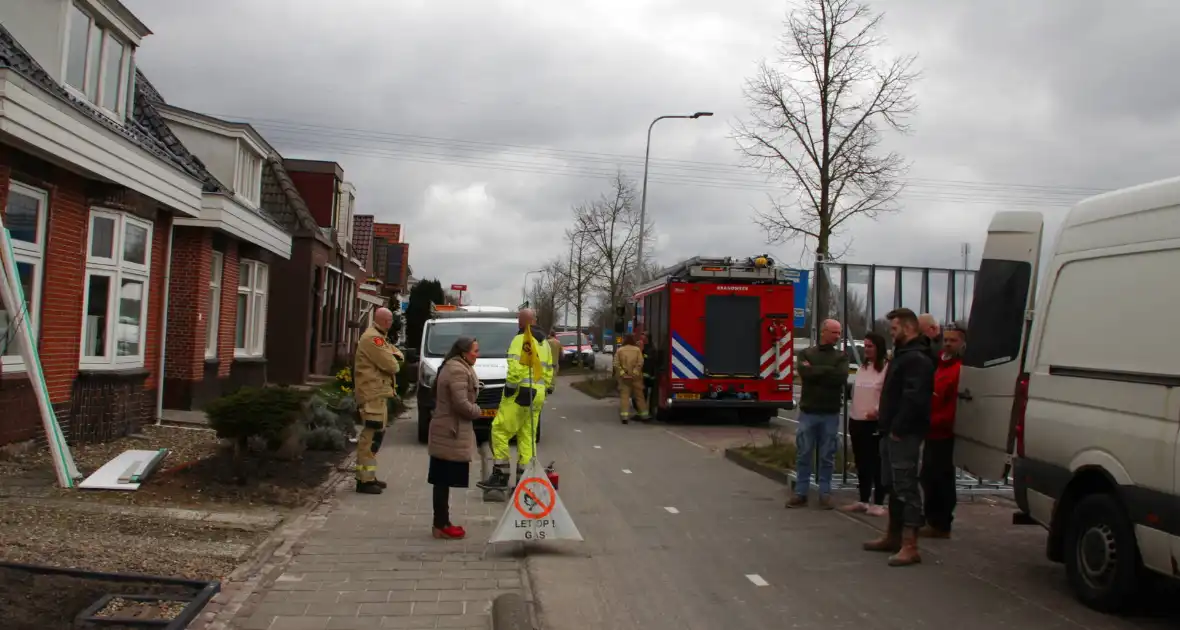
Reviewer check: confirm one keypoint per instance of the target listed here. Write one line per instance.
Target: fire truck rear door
(732, 328)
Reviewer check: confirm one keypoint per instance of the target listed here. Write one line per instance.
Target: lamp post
(524, 295)
(643, 195)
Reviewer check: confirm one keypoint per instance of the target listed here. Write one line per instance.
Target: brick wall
(192, 259)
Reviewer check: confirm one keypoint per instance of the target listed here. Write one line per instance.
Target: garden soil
(30, 601)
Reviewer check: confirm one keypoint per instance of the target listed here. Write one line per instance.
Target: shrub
(255, 412)
(339, 417)
(325, 438)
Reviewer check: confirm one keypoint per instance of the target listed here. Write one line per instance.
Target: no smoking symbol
(534, 498)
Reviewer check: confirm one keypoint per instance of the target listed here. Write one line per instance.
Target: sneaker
(498, 479)
(856, 508)
(797, 501)
(876, 510)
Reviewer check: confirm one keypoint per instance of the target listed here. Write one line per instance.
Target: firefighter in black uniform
(649, 365)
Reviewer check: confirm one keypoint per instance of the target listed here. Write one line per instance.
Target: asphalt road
(677, 537)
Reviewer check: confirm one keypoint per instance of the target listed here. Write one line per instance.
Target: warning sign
(535, 512)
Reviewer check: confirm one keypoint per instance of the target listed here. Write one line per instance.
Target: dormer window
(248, 177)
(97, 63)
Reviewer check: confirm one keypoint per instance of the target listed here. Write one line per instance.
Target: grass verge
(597, 387)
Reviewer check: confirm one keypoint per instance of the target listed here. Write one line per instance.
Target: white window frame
(93, 83)
(117, 270)
(30, 254)
(213, 325)
(248, 175)
(256, 292)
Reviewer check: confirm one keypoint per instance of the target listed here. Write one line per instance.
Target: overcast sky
(476, 125)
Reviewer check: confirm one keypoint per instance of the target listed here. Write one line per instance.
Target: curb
(510, 612)
(775, 474)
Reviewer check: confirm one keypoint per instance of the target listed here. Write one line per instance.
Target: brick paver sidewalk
(374, 564)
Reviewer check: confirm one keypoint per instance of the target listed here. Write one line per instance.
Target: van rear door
(997, 336)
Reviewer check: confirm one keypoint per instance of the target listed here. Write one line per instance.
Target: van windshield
(494, 337)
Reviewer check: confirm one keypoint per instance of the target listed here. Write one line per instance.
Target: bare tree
(816, 119)
(576, 275)
(610, 227)
(547, 295)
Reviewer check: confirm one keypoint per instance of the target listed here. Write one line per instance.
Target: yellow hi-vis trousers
(513, 420)
(366, 457)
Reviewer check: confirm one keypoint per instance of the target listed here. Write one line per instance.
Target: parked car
(575, 346)
(1088, 421)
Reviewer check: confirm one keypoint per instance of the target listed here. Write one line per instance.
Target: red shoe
(460, 529)
(450, 532)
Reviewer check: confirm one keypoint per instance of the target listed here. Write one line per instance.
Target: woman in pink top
(862, 427)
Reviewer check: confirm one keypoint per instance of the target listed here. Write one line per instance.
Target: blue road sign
(799, 277)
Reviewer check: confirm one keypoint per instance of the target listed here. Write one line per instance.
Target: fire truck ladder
(699, 268)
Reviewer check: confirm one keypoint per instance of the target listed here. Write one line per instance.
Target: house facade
(92, 196)
(218, 307)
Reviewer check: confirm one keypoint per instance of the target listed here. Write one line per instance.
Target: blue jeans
(816, 431)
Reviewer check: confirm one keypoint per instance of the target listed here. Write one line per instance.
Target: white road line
(626, 471)
(670, 432)
(757, 579)
(577, 430)
(597, 446)
(672, 510)
(563, 417)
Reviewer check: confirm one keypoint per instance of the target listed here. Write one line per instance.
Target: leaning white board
(125, 472)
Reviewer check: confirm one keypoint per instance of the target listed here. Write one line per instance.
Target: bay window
(25, 217)
(250, 330)
(213, 306)
(97, 63)
(118, 259)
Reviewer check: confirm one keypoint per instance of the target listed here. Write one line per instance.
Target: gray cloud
(1060, 94)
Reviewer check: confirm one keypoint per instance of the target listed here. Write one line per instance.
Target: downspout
(164, 325)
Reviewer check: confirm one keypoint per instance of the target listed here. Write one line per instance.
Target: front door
(997, 336)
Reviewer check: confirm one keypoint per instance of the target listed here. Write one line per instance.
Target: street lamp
(524, 296)
(643, 195)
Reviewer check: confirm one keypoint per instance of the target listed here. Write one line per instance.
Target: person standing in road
(554, 353)
(649, 367)
(376, 363)
(904, 422)
(452, 435)
(938, 455)
(530, 370)
(862, 427)
(628, 370)
(824, 372)
(932, 334)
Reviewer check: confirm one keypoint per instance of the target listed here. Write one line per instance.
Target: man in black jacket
(903, 424)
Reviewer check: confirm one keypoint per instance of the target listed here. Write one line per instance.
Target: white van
(494, 329)
(1077, 393)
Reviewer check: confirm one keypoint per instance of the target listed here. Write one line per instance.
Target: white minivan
(1075, 389)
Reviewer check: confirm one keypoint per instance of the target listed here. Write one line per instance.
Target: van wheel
(1101, 554)
(423, 425)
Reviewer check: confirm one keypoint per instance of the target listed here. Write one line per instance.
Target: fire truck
(719, 331)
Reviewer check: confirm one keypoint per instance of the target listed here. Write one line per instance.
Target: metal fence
(860, 296)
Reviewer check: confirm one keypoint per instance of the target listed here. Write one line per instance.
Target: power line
(1013, 198)
(608, 158)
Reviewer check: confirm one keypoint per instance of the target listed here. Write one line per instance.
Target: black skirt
(447, 473)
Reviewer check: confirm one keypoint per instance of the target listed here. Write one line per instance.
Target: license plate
(487, 413)
(688, 396)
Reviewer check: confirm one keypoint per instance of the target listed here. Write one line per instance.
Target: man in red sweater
(938, 456)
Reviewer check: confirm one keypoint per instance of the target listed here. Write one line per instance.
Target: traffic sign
(458, 287)
(535, 512)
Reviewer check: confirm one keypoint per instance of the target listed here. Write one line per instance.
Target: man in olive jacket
(824, 372)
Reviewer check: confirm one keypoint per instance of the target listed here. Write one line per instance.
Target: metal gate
(860, 296)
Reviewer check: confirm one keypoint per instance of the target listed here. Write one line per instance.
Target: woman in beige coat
(452, 438)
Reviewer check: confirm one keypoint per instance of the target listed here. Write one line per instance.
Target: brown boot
(909, 550)
(889, 542)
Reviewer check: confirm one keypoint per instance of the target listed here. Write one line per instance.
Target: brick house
(316, 307)
(216, 339)
(92, 195)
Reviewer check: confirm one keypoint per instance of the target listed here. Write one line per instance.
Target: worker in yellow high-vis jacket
(530, 376)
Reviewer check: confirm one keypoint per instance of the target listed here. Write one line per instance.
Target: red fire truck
(719, 331)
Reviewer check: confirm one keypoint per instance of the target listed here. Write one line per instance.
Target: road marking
(670, 432)
(757, 579)
(577, 430)
(597, 446)
(672, 510)
(626, 471)
(563, 417)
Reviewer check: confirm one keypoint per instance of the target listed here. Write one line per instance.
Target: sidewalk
(374, 564)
